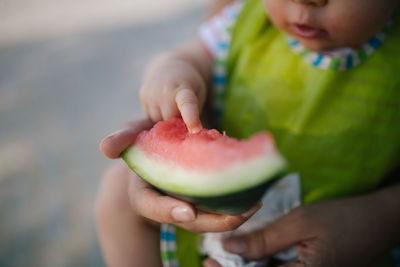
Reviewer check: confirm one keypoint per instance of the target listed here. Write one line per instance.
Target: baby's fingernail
(196, 130)
(235, 245)
(183, 214)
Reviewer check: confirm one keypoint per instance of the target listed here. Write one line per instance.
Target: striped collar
(341, 59)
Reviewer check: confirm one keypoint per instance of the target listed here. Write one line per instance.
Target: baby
(321, 75)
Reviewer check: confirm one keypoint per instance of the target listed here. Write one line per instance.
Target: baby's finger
(154, 206)
(146, 109)
(114, 144)
(211, 222)
(155, 113)
(169, 111)
(188, 105)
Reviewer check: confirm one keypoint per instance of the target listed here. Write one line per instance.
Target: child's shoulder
(216, 32)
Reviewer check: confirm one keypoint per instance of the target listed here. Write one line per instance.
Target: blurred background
(69, 75)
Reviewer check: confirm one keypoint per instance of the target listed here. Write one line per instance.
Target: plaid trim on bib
(168, 245)
(341, 59)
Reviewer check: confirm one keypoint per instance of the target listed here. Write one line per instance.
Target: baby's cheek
(277, 13)
(351, 33)
(351, 24)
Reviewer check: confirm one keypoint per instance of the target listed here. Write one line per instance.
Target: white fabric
(282, 197)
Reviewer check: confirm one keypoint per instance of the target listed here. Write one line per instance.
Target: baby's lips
(306, 31)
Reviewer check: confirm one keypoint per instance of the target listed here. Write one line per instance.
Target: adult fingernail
(110, 136)
(183, 214)
(211, 263)
(253, 210)
(236, 245)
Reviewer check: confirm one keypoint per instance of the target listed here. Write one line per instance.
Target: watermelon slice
(209, 169)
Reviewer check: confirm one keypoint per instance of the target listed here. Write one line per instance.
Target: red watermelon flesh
(204, 164)
(170, 141)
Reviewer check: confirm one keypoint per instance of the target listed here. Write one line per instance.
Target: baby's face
(329, 24)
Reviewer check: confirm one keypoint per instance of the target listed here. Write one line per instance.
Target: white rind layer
(175, 179)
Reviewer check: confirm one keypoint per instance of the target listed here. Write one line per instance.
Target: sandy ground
(69, 75)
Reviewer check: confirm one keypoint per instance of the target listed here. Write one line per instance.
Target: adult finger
(273, 238)
(211, 222)
(211, 263)
(157, 207)
(114, 144)
(188, 105)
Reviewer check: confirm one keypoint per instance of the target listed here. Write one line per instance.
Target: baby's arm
(175, 84)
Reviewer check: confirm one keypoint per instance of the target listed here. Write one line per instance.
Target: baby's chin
(318, 45)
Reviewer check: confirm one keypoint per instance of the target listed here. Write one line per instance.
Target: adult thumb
(270, 240)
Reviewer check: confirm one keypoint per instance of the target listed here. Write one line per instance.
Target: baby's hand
(174, 86)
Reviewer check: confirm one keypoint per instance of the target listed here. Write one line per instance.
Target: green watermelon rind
(198, 184)
(234, 204)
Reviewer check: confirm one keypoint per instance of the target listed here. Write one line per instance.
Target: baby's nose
(311, 2)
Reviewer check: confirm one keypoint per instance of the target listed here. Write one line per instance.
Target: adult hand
(160, 208)
(347, 232)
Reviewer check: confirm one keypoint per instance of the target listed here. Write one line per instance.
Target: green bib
(340, 130)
